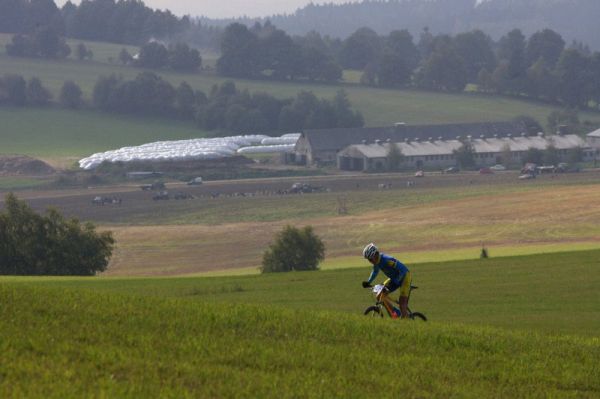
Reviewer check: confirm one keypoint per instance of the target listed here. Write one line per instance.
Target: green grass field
(50, 133)
(514, 327)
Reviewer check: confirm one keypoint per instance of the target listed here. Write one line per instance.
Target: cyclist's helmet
(370, 251)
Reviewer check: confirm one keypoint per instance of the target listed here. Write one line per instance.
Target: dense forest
(132, 22)
(542, 66)
(573, 19)
(124, 21)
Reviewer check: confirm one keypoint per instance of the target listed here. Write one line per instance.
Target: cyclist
(398, 277)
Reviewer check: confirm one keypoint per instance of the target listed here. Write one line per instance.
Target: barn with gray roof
(594, 138)
(440, 153)
(321, 146)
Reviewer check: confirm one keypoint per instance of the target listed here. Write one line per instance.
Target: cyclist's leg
(404, 294)
(390, 286)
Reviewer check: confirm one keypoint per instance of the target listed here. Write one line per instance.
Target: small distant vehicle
(545, 169)
(419, 173)
(498, 168)
(378, 309)
(161, 195)
(196, 181)
(452, 169)
(486, 171)
(527, 176)
(106, 200)
(298, 188)
(156, 186)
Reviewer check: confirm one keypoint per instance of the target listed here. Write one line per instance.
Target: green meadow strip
(61, 343)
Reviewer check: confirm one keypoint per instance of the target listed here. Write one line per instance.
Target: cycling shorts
(404, 285)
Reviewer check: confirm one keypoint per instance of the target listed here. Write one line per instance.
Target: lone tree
(294, 249)
(33, 244)
(465, 155)
(395, 158)
(70, 95)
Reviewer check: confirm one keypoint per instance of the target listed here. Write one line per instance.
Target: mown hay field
(434, 224)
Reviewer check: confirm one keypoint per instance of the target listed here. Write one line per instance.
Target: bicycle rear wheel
(373, 311)
(418, 316)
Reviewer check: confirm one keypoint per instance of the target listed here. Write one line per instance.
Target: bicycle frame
(392, 311)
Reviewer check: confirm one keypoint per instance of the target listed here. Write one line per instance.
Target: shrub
(294, 249)
(33, 244)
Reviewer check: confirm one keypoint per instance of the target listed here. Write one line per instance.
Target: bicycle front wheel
(373, 311)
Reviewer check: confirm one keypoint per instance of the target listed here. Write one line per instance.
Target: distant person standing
(398, 277)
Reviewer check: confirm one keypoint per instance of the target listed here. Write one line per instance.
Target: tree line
(574, 19)
(540, 67)
(127, 21)
(268, 52)
(225, 108)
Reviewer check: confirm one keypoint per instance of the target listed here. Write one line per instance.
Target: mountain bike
(379, 307)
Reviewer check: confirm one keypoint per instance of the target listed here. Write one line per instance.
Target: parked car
(153, 187)
(527, 176)
(196, 181)
(305, 188)
(546, 169)
(419, 173)
(498, 168)
(451, 169)
(486, 171)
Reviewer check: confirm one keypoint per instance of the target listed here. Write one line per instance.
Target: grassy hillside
(284, 335)
(380, 107)
(66, 136)
(550, 293)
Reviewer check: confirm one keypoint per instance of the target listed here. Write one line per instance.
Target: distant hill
(573, 19)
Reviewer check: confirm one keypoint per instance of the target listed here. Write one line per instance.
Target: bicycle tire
(418, 316)
(373, 311)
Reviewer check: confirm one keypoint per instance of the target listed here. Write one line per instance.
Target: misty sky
(228, 8)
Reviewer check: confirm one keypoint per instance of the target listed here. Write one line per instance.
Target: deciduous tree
(294, 250)
(34, 244)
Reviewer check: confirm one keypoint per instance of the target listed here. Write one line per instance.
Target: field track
(77, 202)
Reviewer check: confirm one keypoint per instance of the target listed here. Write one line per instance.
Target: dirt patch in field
(21, 165)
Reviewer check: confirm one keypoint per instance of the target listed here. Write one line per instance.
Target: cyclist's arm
(374, 274)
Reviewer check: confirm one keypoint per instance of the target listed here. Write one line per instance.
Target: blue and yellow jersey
(391, 267)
